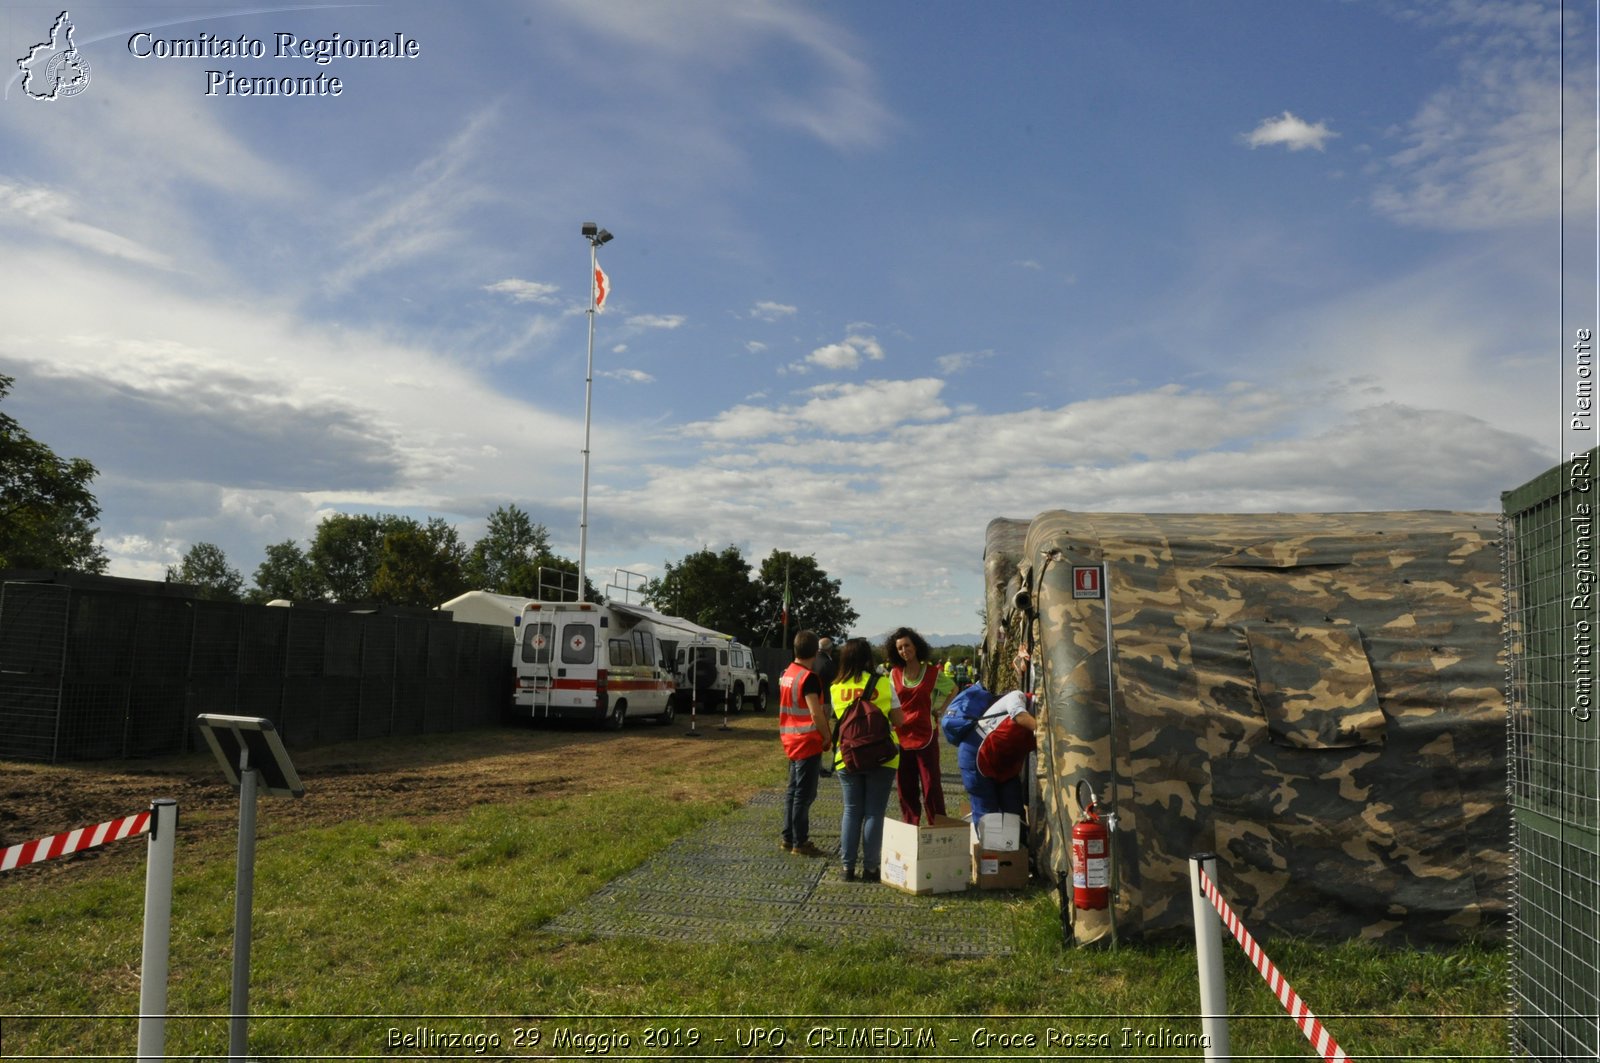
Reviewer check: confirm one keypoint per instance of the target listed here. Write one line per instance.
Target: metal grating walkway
(731, 882)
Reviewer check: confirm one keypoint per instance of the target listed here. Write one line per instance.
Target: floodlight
(590, 228)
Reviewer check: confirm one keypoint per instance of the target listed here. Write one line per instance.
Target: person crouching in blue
(992, 774)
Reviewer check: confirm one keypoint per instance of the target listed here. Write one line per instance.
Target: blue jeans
(983, 793)
(797, 799)
(866, 795)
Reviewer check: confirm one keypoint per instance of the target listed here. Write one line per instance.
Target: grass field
(418, 936)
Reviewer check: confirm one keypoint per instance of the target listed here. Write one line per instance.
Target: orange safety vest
(801, 739)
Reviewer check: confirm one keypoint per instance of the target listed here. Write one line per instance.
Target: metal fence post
(157, 929)
(1208, 956)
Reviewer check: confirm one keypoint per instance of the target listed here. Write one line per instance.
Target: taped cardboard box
(999, 870)
(927, 858)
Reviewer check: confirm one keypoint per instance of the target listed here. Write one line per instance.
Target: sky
(881, 272)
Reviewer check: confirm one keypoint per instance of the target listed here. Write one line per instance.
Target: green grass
(383, 922)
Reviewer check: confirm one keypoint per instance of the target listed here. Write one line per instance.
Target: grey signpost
(251, 756)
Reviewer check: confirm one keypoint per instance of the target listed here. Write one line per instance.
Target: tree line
(391, 559)
(395, 560)
(49, 514)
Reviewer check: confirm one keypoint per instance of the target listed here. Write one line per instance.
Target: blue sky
(882, 272)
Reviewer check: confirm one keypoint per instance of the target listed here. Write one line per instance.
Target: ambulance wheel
(668, 714)
(738, 697)
(619, 713)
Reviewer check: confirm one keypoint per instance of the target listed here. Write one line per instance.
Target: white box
(930, 858)
(999, 832)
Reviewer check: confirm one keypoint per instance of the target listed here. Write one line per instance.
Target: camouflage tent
(1316, 698)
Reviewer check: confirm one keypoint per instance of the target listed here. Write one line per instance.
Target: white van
(593, 661)
(719, 673)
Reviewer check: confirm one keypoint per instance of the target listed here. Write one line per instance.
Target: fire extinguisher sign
(1088, 581)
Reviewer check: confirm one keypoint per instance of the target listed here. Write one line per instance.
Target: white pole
(1114, 879)
(243, 899)
(157, 929)
(1208, 956)
(588, 392)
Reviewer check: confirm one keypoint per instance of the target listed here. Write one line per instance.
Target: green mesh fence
(99, 668)
(1554, 758)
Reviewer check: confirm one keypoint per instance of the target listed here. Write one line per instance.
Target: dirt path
(421, 776)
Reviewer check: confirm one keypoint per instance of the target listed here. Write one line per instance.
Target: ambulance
(605, 662)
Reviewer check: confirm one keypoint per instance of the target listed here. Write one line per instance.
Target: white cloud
(54, 215)
(522, 291)
(161, 389)
(846, 354)
(755, 347)
(1292, 132)
(854, 498)
(630, 376)
(828, 91)
(661, 321)
(862, 409)
(765, 311)
(1488, 150)
(838, 409)
(742, 422)
(419, 213)
(960, 360)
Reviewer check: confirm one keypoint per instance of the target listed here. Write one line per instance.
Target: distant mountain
(935, 640)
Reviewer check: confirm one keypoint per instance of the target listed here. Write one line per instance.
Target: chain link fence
(1554, 758)
(98, 668)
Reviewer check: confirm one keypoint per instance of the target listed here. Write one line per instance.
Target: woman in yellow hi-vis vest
(866, 793)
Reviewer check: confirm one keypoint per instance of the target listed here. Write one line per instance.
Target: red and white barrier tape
(1309, 1024)
(73, 841)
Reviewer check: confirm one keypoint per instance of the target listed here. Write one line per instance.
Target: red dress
(919, 780)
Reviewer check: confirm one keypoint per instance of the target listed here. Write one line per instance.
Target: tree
(287, 573)
(710, 589)
(814, 599)
(205, 566)
(47, 512)
(345, 553)
(507, 559)
(419, 564)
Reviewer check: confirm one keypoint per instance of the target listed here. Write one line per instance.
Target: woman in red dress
(923, 691)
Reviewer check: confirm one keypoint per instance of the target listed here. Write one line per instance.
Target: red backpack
(1004, 750)
(865, 740)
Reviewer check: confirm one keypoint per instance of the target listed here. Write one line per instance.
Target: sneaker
(870, 876)
(849, 874)
(807, 849)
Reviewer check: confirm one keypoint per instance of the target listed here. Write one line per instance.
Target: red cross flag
(602, 288)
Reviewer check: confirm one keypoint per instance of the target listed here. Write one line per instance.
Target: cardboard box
(999, 869)
(999, 832)
(930, 858)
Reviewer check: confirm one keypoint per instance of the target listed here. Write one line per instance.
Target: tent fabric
(1317, 698)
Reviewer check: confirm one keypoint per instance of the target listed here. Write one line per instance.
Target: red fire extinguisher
(1091, 861)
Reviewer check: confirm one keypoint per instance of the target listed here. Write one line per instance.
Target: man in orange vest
(804, 729)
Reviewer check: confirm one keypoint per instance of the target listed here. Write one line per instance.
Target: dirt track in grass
(421, 776)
